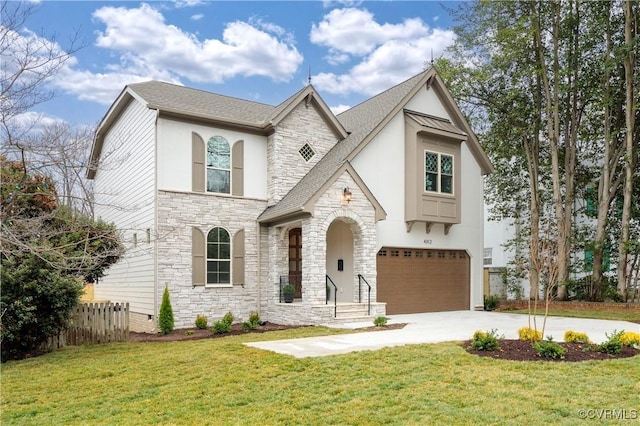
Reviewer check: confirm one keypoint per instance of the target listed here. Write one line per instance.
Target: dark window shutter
(237, 175)
(199, 263)
(197, 163)
(238, 258)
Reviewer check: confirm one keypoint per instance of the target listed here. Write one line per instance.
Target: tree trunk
(531, 151)
(629, 63)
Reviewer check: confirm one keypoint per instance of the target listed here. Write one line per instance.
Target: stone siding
(177, 214)
(359, 214)
(285, 164)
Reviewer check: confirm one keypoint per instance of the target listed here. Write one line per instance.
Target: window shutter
(238, 258)
(199, 263)
(197, 163)
(237, 175)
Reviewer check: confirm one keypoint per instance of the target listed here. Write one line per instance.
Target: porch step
(355, 311)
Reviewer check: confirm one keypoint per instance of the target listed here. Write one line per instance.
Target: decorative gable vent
(307, 152)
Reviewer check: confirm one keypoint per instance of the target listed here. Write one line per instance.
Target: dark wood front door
(295, 260)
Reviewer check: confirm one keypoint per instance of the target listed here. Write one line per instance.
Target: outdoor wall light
(346, 194)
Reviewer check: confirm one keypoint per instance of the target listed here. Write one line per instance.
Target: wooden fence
(95, 323)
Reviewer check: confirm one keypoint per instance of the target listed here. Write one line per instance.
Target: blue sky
(252, 50)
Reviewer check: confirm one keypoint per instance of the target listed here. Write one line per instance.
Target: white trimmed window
(218, 165)
(488, 256)
(218, 257)
(438, 176)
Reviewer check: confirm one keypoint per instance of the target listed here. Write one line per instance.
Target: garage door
(412, 281)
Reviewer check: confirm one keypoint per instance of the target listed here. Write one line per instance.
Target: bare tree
(27, 61)
(62, 153)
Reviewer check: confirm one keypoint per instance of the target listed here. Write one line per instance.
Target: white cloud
(197, 16)
(148, 48)
(142, 37)
(354, 31)
(388, 53)
(34, 118)
(339, 108)
(187, 3)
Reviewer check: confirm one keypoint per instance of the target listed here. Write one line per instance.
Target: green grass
(619, 315)
(222, 381)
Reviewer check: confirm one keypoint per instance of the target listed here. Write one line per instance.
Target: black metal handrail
(328, 281)
(360, 280)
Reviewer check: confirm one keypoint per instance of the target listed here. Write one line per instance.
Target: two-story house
(375, 211)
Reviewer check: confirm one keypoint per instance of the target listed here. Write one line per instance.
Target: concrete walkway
(439, 327)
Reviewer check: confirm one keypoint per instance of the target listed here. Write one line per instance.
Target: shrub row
(490, 341)
(224, 325)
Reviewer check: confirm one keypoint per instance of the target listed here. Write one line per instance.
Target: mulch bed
(236, 329)
(521, 350)
(198, 334)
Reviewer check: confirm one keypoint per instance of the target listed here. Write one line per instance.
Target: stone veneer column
(360, 215)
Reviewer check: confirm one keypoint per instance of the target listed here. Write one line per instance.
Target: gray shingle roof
(183, 100)
(361, 121)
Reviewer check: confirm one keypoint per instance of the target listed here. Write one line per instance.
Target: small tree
(165, 321)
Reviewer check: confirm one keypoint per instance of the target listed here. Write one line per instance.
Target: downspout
(155, 218)
(259, 278)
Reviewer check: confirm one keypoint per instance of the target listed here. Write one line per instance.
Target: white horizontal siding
(125, 196)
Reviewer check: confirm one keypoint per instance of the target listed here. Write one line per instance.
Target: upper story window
(307, 152)
(487, 253)
(438, 172)
(218, 257)
(218, 165)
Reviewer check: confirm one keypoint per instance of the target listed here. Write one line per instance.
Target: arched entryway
(340, 259)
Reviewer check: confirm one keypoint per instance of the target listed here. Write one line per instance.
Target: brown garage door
(411, 280)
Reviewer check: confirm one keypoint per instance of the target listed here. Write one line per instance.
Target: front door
(295, 260)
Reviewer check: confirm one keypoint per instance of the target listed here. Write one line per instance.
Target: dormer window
(307, 152)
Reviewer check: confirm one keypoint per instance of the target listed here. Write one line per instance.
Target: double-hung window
(218, 257)
(218, 165)
(438, 172)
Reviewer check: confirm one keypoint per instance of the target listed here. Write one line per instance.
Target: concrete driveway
(438, 327)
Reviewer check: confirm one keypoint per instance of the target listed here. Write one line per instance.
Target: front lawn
(222, 381)
(632, 315)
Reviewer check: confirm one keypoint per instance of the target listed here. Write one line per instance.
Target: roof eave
(289, 215)
(210, 119)
(121, 102)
